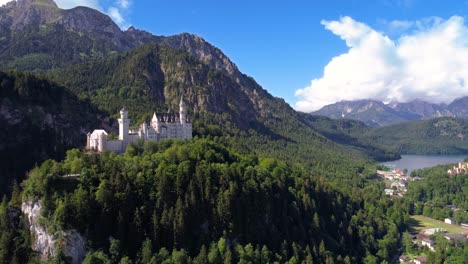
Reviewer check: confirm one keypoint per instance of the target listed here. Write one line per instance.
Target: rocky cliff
(70, 242)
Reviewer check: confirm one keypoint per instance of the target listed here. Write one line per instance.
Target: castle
(162, 126)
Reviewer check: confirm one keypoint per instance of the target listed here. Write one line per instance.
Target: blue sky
(286, 45)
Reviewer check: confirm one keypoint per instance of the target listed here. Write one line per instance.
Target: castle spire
(155, 122)
(182, 111)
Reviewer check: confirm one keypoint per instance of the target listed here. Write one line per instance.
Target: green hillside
(208, 204)
(444, 135)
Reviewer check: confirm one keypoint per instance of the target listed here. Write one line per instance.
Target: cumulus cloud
(67, 4)
(430, 63)
(124, 3)
(117, 11)
(2, 2)
(117, 16)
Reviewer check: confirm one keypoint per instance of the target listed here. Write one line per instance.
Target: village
(425, 231)
(396, 182)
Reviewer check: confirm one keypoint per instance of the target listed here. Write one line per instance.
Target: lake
(413, 162)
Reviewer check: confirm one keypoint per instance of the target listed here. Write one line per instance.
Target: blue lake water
(413, 162)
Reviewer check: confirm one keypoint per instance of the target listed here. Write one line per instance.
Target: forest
(197, 201)
(437, 192)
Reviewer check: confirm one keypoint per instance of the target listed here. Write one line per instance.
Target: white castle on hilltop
(162, 126)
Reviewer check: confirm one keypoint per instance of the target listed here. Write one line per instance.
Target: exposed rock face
(27, 12)
(71, 242)
(203, 51)
(424, 109)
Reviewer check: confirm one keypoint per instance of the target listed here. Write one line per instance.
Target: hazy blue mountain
(375, 113)
(371, 112)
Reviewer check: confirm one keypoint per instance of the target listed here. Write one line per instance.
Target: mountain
(375, 113)
(40, 120)
(424, 110)
(36, 34)
(371, 112)
(459, 107)
(443, 135)
(154, 76)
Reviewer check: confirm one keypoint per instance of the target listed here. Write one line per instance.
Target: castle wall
(114, 146)
(133, 138)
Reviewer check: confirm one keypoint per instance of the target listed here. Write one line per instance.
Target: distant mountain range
(375, 113)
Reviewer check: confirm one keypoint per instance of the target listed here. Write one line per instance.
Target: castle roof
(167, 117)
(97, 132)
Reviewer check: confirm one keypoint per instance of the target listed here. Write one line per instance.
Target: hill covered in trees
(445, 135)
(197, 201)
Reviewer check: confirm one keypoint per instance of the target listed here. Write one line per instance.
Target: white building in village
(162, 126)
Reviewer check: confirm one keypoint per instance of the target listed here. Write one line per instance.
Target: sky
(317, 52)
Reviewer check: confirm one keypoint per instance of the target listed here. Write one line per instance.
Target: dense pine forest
(198, 201)
(437, 192)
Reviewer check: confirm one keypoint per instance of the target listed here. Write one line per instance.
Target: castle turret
(102, 140)
(88, 140)
(124, 124)
(155, 123)
(182, 111)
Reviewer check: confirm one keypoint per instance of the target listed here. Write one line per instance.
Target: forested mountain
(444, 135)
(36, 34)
(40, 120)
(375, 113)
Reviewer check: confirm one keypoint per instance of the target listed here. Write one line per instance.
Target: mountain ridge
(393, 112)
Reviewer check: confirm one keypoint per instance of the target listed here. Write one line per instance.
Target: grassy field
(420, 222)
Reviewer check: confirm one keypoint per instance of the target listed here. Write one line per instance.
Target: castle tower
(155, 123)
(102, 142)
(182, 111)
(124, 124)
(88, 140)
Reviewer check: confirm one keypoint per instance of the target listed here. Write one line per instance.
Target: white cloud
(124, 3)
(2, 2)
(67, 4)
(430, 63)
